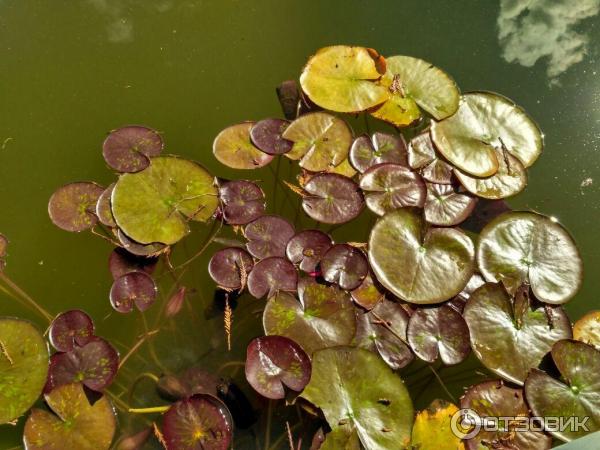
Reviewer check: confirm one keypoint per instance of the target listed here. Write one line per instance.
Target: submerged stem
(24, 296)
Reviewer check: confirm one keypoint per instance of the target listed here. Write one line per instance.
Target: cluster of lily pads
(447, 269)
(443, 272)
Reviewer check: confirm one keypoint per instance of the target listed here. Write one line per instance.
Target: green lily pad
(23, 367)
(74, 423)
(324, 316)
(383, 330)
(495, 400)
(354, 387)
(321, 141)
(445, 206)
(524, 247)
(341, 438)
(411, 82)
(510, 335)
(509, 180)
(575, 395)
(155, 205)
(484, 123)
(342, 78)
(432, 428)
(436, 263)
(233, 148)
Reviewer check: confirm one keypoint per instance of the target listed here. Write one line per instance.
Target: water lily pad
(201, 422)
(520, 247)
(233, 148)
(130, 148)
(23, 367)
(193, 380)
(155, 205)
(342, 78)
(423, 156)
(321, 141)
(103, 208)
(392, 186)
(229, 267)
(345, 266)
(510, 335)
(509, 180)
(587, 329)
(69, 329)
(274, 363)
(439, 332)
(307, 248)
(383, 330)
(268, 236)
(353, 386)
(412, 80)
(380, 148)
(436, 263)
(332, 198)
(342, 437)
(368, 294)
(133, 289)
(495, 400)
(72, 207)
(243, 201)
(145, 250)
(73, 422)
(445, 206)
(324, 317)
(575, 395)
(272, 275)
(484, 123)
(94, 364)
(267, 136)
(344, 168)
(121, 262)
(432, 428)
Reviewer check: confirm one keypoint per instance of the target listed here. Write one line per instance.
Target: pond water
(70, 71)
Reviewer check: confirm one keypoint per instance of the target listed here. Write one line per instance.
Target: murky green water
(70, 70)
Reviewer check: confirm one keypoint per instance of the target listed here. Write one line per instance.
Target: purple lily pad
(439, 332)
(332, 198)
(229, 267)
(345, 266)
(133, 288)
(243, 201)
(194, 380)
(272, 275)
(423, 155)
(200, 422)
(274, 363)
(381, 148)
(130, 148)
(445, 206)
(392, 186)
(72, 207)
(121, 262)
(268, 236)
(383, 330)
(267, 136)
(307, 248)
(71, 328)
(103, 209)
(94, 364)
(134, 247)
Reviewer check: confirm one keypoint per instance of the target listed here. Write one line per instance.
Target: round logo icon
(465, 423)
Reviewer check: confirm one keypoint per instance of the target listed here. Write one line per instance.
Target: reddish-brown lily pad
(268, 236)
(423, 156)
(332, 198)
(121, 262)
(72, 207)
(368, 294)
(69, 329)
(274, 363)
(229, 267)
(267, 136)
(130, 148)
(307, 248)
(446, 207)
(380, 148)
(345, 266)
(272, 275)
(103, 209)
(133, 289)
(242, 202)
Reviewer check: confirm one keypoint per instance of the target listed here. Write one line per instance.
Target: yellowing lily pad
(587, 329)
(411, 82)
(431, 430)
(23, 367)
(483, 123)
(354, 387)
(342, 78)
(321, 141)
(75, 423)
(155, 205)
(233, 147)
